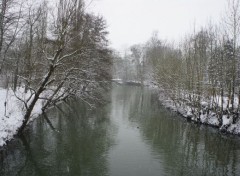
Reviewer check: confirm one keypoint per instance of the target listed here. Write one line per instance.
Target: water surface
(130, 136)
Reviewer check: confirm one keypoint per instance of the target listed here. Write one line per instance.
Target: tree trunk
(36, 97)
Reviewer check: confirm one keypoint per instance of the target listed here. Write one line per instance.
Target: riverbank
(12, 112)
(130, 135)
(205, 115)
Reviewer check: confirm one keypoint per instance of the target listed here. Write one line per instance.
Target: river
(132, 135)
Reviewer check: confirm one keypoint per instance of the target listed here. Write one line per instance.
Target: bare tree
(232, 30)
(74, 60)
(10, 26)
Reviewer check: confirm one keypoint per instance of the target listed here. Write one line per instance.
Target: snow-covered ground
(12, 112)
(210, 118)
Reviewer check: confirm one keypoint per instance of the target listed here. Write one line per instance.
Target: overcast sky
(133, 21)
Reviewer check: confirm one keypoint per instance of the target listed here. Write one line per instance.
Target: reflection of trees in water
(184, 148)
(85, 137)
(137, 101)
(80, 147)
(17, 159)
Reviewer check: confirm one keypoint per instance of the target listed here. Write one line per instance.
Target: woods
(51, 51)
(49, 54)
(199, 76)
(89, 94)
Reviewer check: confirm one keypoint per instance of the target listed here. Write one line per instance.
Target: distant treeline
(203, 69)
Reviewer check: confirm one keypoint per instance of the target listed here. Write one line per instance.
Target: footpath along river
(132, 135)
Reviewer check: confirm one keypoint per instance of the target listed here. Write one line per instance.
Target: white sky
(133, 21)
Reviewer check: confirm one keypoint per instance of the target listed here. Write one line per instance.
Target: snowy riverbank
(204, 116)
(12, 113)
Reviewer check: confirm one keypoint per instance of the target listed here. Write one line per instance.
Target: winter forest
(199, 77)
(72, 104)
(49, 55)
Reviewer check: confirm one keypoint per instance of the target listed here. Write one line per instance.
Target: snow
(204, 117)
(227, 120)
(13, 118)
(213, 120)
(11, 115)
(118, 81)
(204, 103)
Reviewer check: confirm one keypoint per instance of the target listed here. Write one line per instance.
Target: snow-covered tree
(65, 56)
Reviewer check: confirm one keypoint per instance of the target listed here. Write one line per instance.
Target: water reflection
(133, 135)
(182, 148)
(79, 148)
